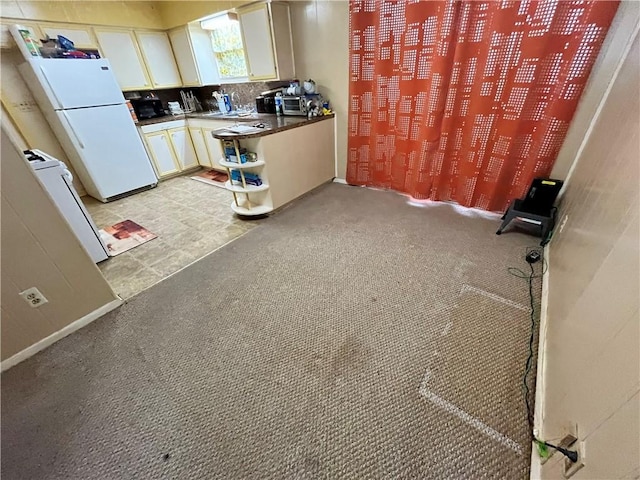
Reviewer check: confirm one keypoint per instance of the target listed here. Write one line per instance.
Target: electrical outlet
(566, 442)
(34, 297)
(570, 468)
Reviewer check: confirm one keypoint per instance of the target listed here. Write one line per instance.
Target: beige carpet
(349, 336)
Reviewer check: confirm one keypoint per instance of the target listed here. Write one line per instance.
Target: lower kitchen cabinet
(162, 153)
(199, 144)
(170, 147)
(213, 147)
(178, 145)
(201, 131)
(183, 147)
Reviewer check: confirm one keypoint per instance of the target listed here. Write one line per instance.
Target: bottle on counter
(227, 102)
(132, 111)
(279, 109)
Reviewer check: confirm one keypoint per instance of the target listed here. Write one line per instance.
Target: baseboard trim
(536, 465)
(340, 180)
(538, 414)
(60, 334)
(335, 146)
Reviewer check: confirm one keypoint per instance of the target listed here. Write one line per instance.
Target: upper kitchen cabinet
(82, 37)
(194, 55)
(159, 59)
(120, 47)
(266, 35)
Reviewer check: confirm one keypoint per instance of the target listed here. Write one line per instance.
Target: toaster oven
(294, 105)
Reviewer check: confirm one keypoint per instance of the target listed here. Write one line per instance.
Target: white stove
(57, 181)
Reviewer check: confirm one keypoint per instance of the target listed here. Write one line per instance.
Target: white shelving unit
(252, 210)
(240, 166)
(285, 163)
(248, 189)
(248, 200)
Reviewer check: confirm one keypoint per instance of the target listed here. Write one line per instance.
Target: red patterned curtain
(466, 101)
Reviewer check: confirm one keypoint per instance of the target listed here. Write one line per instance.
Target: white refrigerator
(83, 103)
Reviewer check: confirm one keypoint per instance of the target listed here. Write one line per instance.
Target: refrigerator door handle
(53, 92)
(75, 134)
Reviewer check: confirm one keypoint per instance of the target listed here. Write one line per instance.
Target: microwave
(265, 104)
(266, 101)
(294, 105)
(147, 108)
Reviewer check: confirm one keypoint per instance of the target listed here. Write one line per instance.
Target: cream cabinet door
(255, 26)
(197, 137)
(194, 55)
(82, 37)
(183, 147)
(121, 49)
(214, 148)
(282, 40)
(159, 59)
(162, 153)
(203, 53)
(185, 58)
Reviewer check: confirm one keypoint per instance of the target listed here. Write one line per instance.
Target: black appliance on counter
(147, 108)
(266, 101)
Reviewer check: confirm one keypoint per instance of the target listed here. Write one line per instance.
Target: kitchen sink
(230, 116)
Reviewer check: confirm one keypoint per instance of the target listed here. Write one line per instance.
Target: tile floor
(191, 219)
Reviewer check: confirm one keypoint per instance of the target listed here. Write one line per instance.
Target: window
(227, 45)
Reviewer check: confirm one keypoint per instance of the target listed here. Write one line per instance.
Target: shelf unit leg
(235, 197)
(236, 145)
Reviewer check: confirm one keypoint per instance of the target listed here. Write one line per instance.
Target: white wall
(321, 50)
(627, 16)
(40, 250)
(591, 376)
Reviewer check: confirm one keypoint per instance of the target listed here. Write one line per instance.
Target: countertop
(166, 118)
(272, 123)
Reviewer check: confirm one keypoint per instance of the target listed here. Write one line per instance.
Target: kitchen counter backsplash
(246, 93)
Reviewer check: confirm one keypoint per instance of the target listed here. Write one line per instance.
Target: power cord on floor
(516, 272)
(535, 255)
(527, 368)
